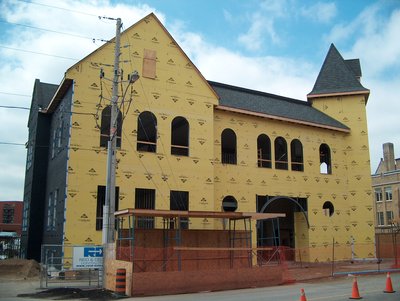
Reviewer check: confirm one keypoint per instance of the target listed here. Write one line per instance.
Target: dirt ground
(17, 269)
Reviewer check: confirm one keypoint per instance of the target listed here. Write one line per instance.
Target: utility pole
(109, 207)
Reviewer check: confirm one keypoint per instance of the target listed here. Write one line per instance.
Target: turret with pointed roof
(338, 77)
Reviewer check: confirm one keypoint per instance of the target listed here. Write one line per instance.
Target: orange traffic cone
(389, 287)
(302, 295)
(354, 293)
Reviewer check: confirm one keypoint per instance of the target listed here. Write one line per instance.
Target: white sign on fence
(87, 258)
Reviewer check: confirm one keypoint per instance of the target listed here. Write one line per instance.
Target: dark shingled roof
(42, 95)
(338, 75)
(270, 104)
(354, 65)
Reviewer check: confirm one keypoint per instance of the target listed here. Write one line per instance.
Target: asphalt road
(370, 288)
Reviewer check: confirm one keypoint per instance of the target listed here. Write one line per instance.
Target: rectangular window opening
(179, 200)
(101, 201)
(145, 199)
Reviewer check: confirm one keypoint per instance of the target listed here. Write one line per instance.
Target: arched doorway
(279, 231)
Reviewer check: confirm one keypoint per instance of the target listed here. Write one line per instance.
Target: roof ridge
(261, 93)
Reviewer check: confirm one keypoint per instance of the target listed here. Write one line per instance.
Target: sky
(275, 46)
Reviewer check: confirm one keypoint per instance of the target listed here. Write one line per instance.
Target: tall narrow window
(228, 147)
(281, 156)
(264, 151)
(105, 127)
(101, 201)
(380, 219)
(325, 159)
(8, 214)
(180, 137)
(388, 194)
(53, 144)
(25, 216)
(145, 199)
(378, 194)
(389, 217)
(60, 134)
(296, 155)
(52, 210)
(147, 132)
(179, 200)
(29, 155)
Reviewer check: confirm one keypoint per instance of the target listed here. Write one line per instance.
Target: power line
(49, 30)
(14, 107)
(40, 53)
(61, 8)
(16, 94)
(12, 143)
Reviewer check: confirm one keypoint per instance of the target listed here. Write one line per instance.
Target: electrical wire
(14, 107)
(57, 7)
(40, 53)
(16, 94)
(48, 30)
(12, 143)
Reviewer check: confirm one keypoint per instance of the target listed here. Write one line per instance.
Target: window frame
(8, 214)
(228, 140)
(380, 218)
(388, 192)
(325, 157)
(148, 144)
(105, 124)
(295, 147)
(100, 202)
(264, 155)
(281, 155)
(179, 201)
(180, 133)
(149, 203)
(378, 195)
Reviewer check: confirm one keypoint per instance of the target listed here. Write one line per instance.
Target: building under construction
(209, 153)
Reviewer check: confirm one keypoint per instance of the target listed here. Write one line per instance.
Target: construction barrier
(120, 282)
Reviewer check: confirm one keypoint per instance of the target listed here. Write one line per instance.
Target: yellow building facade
(309, 160)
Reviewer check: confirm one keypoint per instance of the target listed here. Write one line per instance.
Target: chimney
(388, 156)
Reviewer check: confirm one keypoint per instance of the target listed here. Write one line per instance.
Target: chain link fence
(67, 266)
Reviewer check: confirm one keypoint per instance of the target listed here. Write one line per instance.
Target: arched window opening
(147, 132)
(264, 151)
(228, 147)
(229, 204)
(281, 156)
(296, 155)
(328, 208)
(105, 127)
(180, 137)
(325, 159)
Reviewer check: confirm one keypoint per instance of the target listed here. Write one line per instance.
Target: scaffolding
(173, 222)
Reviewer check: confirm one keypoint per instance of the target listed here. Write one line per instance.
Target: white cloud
(265, 73)
(18, 70)
(262, 24)
(321, 12)
(379, 47)
(376, 44)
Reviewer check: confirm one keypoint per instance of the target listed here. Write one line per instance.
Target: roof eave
(280, 118)
(335, 94)
(62, 89)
